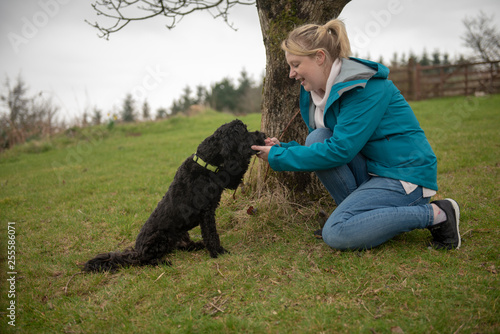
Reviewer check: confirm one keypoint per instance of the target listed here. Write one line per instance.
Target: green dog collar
(204, 164)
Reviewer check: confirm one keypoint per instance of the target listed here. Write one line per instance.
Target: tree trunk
(281, 94)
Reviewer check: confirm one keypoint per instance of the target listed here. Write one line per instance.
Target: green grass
(90, 191)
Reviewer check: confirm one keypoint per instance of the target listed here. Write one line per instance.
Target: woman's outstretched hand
(263, 151)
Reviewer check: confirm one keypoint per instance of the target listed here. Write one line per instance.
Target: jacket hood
(356, 72)
(381, 70)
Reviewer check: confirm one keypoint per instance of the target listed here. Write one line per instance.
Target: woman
(365, 145)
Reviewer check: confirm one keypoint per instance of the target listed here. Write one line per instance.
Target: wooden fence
(418, 82)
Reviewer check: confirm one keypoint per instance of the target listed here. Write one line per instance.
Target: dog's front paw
(218, 251)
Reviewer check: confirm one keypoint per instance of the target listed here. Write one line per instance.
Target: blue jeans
(370, 209)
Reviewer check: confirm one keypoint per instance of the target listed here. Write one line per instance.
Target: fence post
(466, 75)
(411, 79)
(441, 82)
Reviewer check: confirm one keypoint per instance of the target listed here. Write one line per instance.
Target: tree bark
(281, 94)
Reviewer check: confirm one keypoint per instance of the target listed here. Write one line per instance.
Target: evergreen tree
(461, 60)
(245, 83)
(446, 59)
(223, 96)
(394, 60)
(425, 61)
(161, 113)
(436, 58)
(186, 100)
(403, 61)
(245, 93)
(412, 58)
(128, 109)
(176, 108)
(201, 93)
(17, 101)
(146, 111)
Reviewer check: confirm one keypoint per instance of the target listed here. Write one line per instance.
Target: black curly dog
(220, 162)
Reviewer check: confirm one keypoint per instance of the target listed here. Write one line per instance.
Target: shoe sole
(456, 208)
(318, 234)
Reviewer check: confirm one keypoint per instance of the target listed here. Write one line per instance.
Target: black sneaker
(318, 234)
(446, 235)
(322, 218)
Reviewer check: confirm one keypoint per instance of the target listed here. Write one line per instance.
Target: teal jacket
(367, 114)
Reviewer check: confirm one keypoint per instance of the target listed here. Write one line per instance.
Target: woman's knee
(333, 233)
(318, 136)
(337, 234)
(334, 238)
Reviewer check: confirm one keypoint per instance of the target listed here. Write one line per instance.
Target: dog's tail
(113, 261)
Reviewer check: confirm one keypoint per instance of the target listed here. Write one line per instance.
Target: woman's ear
(320, 57)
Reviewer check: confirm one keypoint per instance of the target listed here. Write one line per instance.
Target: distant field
(90, 190)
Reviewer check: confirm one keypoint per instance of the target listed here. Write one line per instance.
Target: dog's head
(231, 141)
(236, 140)
(229, 148)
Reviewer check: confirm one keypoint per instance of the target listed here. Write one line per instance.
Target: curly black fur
(191, 200)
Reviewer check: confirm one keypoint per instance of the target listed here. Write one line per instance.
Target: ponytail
(341, 42)
(308, 39)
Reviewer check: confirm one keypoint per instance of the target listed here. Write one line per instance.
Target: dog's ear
(230, 137)
(227, 147)
(208, 148)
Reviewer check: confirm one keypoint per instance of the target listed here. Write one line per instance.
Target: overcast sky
(60, 55)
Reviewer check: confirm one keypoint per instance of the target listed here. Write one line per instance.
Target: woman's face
(308, 70)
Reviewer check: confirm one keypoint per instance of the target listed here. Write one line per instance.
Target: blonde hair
(307, 40)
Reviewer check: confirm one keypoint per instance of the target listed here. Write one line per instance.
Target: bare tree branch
(122, 12)
(482, 37)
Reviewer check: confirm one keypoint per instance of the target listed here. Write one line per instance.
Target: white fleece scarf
(320, 100)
